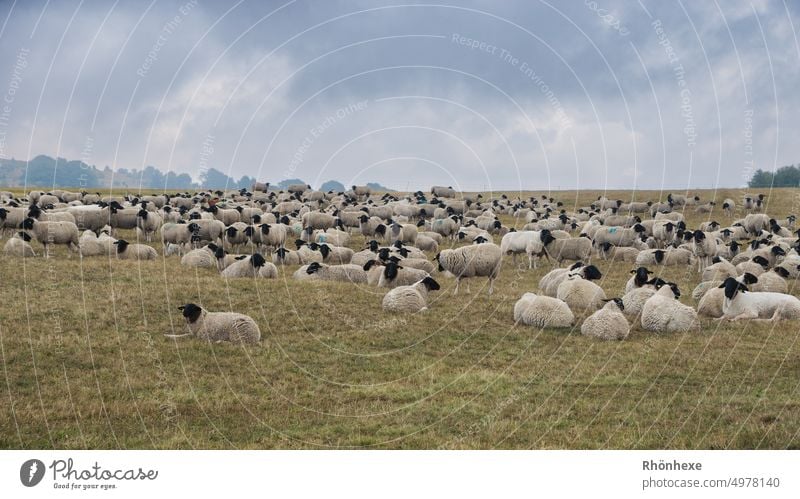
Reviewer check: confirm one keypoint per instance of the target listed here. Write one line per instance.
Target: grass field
(85, 365)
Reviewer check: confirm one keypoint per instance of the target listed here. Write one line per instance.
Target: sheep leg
(458, 281)
(746, 315)
(491, 285)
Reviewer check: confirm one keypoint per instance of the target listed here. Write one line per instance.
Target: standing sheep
(49, 233)
(481, 260)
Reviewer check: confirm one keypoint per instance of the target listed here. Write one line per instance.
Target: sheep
(704, 247)
(148, 223)
(579, 292)
(415, 263)
(135, 251)
(226, 216)
(334, 237)
(225, 259)
(773, 281)
(335, 254)
(11, 218)
(515, 243)
(619, 236)
(481, 260)
(91, 217)
(608, 323)
(371, 226)
(625, 254)
(754, 223)
(542, 311)
(446, 227)
(741, 304)
(18, 246)
(235, 235)
(664, 232)
(705, 208)
(728, 207)
(410, 299)
(308, 252)
(756, 266)
(374, 270)
(249, 266)
(578, 249)
(719, 270)
(394, 275)
(267, 235)
(406, 233)
(426, 243)
(176, 233)
(641, 276)
(207, 230)
(633, 301)
(443, 192)
(320, 221)
(282, 256)
(663, 313)
(201, 257)
(340, 273)
(218, 326)
(549, 283)
(49, 233)
(671, 256)
(92, 245)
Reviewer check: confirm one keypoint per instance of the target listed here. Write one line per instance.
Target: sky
(479, 95)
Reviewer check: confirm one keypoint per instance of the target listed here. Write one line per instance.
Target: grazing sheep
(410, 299)
(204, 257)
(249, 266)
(619, 236)
(334, 237)
(267, 235)
(515, 243)
(741, 304)
(18, 246)
(663, 313)
(579, 292)
(542, 311)
(608, 323)
(446, 227)
(49, 233)
(426, 243)
(218, 326)
(135, 251)
(394, 275)
(340, 273)
(480, 260)
(443, 192)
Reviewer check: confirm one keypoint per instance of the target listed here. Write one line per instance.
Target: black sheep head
(257, 260)
(191, 312)
(732, 286)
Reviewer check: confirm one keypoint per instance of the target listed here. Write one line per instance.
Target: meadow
(85, 364)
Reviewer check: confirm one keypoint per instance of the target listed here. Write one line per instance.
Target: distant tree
(785, 176)
(283, 184)
(215, 179)
(245, 182)
(332, 185)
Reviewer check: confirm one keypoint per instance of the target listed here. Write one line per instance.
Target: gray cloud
(519, 95)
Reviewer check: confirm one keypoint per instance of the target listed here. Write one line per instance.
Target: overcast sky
(477, 95)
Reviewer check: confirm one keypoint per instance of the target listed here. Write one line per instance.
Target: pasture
(85, 363)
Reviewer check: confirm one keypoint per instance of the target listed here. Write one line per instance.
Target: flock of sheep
(745, 264)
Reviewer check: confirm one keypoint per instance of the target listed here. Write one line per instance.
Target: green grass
(85, 365)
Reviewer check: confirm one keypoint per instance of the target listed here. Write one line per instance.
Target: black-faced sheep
(134, 251)
(410, 299)
(663, 313)
(608, 323)
(480, 260)
(741, 304)
(218, 326)
(542, 311)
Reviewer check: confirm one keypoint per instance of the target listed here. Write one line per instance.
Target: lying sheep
(741, 304)
(410, 299)
(756, 266)
(608, 323)
(671, 256)
(218, 326)
(641, 276)
(663, 313)
(335, 254)
(134, 251)
(719, 270)
(426, 243)
(633, 301)
(18, 246)
(49, 233)
(481, 260)
(542, 311)
(339, 273)
(204, 257)
(246, 267)
(549, 283)
(394, 275)
(580, 293)
(282, 256)
(773, 281)
(92, 245)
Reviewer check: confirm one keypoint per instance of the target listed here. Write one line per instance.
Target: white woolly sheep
(608, 323)
(148, 223)
(218, 326)
(671, 256)
(18, 246)
(704, 247)
(201, 257)
(480, 260)
(549, 283)
(663, 313)
(339, 273)
(134, 251)
(579, 248)
(394, 275)
(410, 299)
(542, 311)
(633, 301)
(720, 270)
(246, 267)
(580, 293)
(741, 304)
(49, 233)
